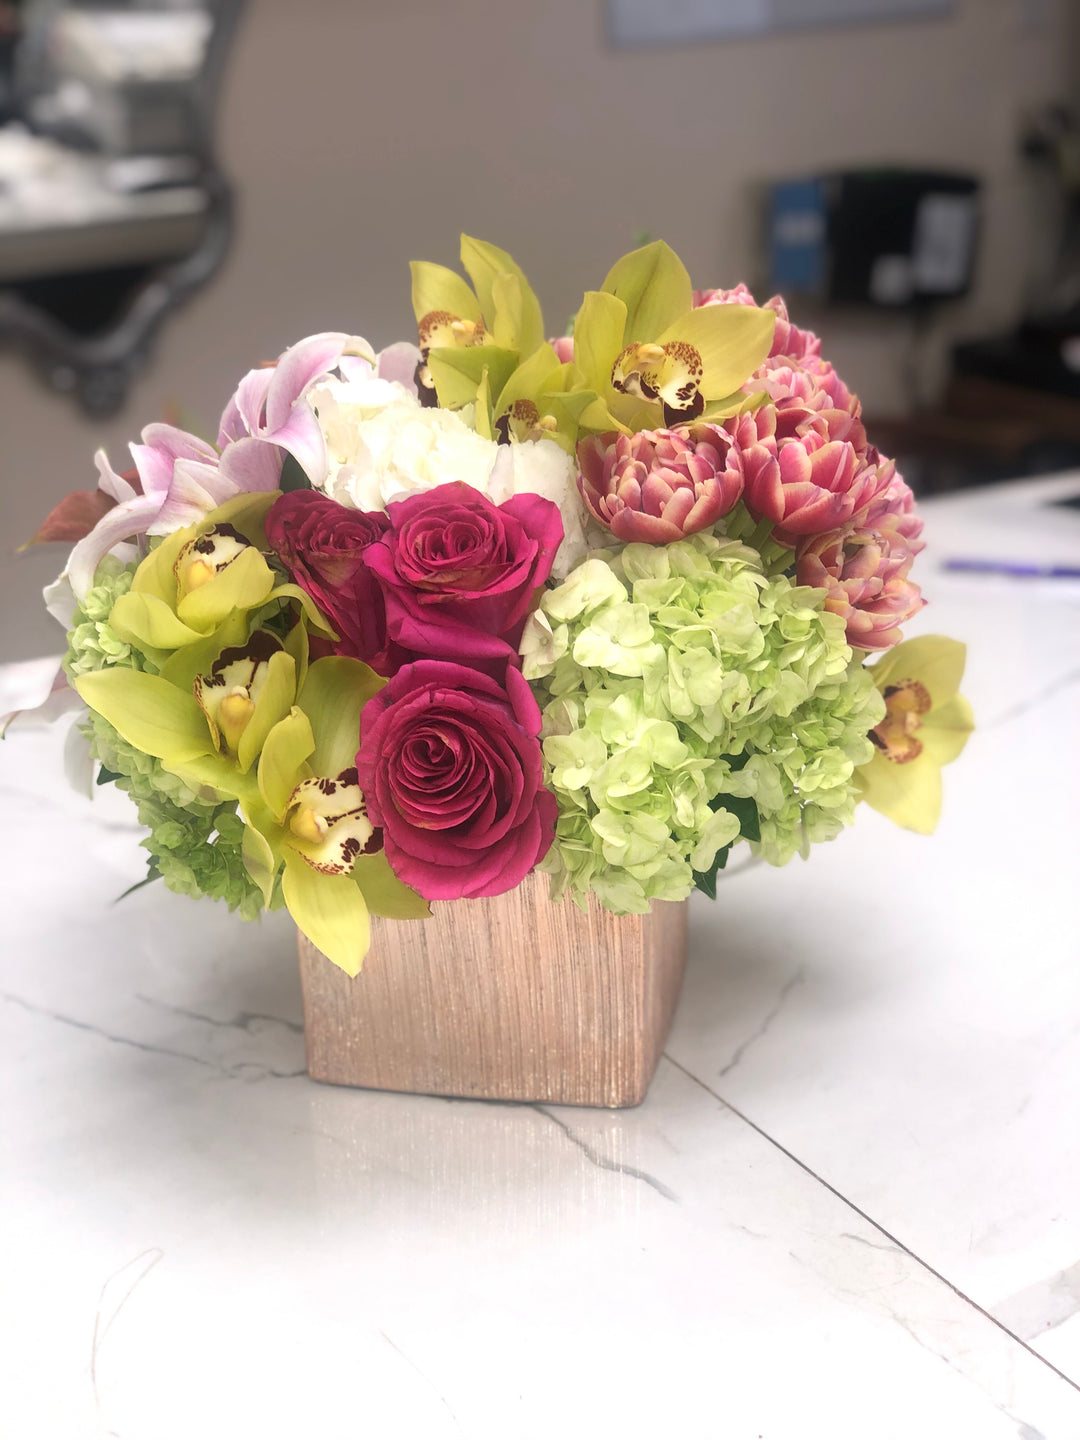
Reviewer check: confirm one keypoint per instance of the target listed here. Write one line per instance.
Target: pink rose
(458, 572)
(323, 546)
(451, 768)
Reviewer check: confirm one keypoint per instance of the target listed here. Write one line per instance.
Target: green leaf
(275, 701)
(148, 712)
(598, 339)
(282, 764)
(334, 694)
(745, 810)
(293, 476)
(434, 287)
(385, 893)
(654, 285)
(152, 874)
(105, 776)
(733, 341)
(705, 880)
(330, 911)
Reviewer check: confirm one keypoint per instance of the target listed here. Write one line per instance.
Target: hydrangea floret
(660, 666)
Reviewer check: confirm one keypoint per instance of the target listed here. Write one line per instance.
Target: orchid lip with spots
(419, 622)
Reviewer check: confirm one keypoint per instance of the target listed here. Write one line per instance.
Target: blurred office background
(273, 177)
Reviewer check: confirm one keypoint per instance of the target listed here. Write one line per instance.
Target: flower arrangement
(420, 622)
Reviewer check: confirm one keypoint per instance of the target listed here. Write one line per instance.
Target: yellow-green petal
(282, 764)
(148, 712)
(336, 690)
(274, 702)
(244, 583)
(518, 323)
(484, 264)
(385, 894)
(732, 340)
(457, 371)
(909, 795)
(329, 910)
(146, 621)
(598, 340)
(654, 285)
(945, 729)
(936, 661)
(434, 287)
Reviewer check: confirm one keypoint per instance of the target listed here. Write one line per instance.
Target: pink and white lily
(179, 478)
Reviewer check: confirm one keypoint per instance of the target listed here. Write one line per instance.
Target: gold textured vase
(511, 998)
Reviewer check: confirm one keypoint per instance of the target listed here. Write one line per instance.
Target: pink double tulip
(864, 572)
(660, 485)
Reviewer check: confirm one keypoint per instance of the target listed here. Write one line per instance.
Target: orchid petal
(149, 713)
(195, 490)
(283, 760)
(273, 704)
(330, 911)
(334, 694)
(384, 893)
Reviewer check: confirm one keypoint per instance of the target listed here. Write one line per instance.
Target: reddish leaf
(73, 518)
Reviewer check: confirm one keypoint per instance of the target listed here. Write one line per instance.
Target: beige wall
(361, 133)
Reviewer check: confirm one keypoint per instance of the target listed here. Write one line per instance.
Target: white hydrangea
(383, 445)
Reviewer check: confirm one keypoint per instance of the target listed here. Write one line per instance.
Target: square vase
(511, 998)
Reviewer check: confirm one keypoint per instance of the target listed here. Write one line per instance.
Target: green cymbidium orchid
(485, 347)
(926, 725)
(201, 585)
(304, 815)
(652, 360)
(307, 820)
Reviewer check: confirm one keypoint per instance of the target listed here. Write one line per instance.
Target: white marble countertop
(848, 1209)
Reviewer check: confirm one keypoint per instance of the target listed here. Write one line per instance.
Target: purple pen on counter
(1016, 569)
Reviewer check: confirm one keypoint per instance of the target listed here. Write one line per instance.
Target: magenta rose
(450, 767)
(458, 572)
(323, 546)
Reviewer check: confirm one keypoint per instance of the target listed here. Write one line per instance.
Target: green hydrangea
(92, 644)
(670, 677)
(195, 844)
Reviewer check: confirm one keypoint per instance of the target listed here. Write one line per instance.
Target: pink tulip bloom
(865, 574)
(660, 485)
